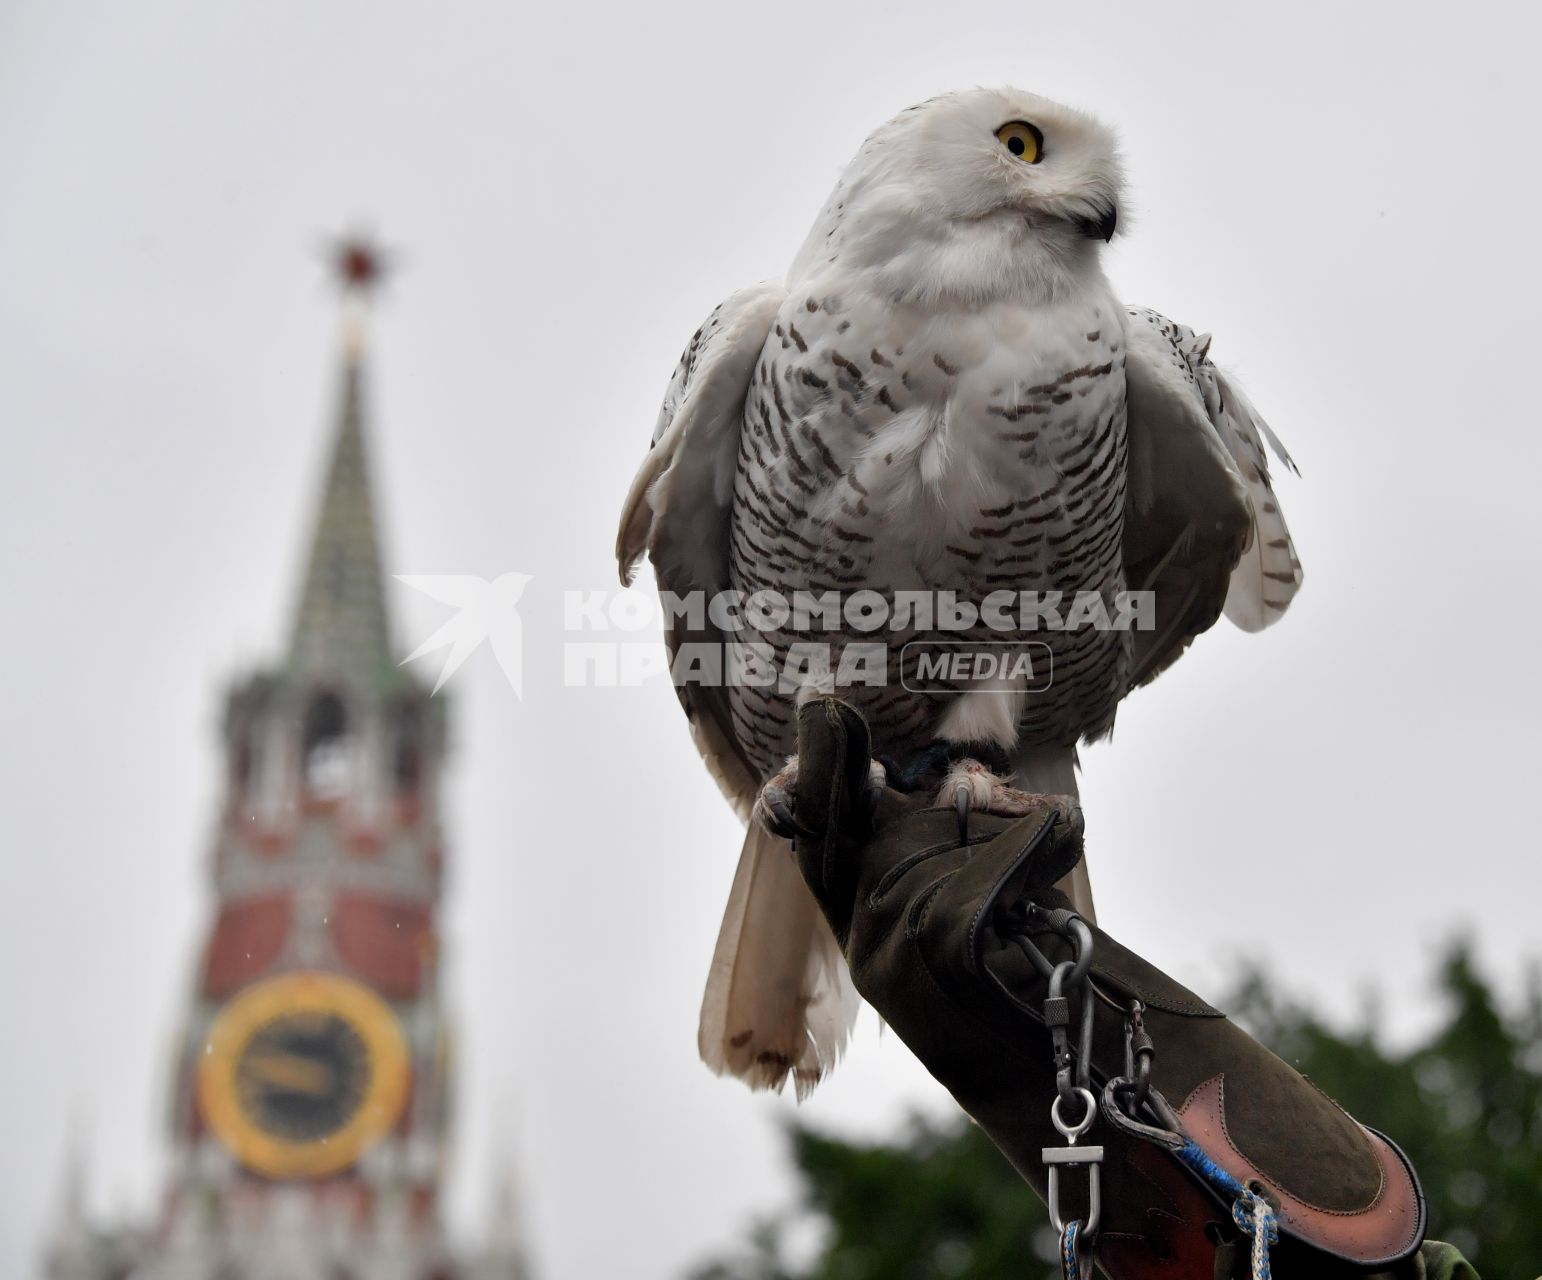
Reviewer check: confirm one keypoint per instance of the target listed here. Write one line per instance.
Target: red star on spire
(360, 264)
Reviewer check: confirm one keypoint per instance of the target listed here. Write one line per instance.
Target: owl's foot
(971, 787)
(775, 805)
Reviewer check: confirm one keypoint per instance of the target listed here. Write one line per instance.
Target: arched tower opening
(325, 751)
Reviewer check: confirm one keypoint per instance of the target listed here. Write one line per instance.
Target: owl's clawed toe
(971, 787)
(776, 805)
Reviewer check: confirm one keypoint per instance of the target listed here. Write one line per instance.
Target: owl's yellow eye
(1022, 140)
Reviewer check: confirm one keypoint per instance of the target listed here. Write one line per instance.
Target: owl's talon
(776, 805)
(877, 784)
(970, 786)
(774, 810)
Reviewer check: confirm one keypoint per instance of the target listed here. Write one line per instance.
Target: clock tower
(309, 1104)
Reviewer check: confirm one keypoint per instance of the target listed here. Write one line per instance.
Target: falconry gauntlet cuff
(950, 939)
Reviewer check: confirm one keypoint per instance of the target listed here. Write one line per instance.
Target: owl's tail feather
(779, 998)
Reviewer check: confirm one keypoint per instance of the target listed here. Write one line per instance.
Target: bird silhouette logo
(485, 610)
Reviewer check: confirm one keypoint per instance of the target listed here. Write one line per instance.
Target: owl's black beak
(1101, 225)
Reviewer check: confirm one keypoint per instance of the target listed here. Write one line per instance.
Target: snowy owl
(944, 398)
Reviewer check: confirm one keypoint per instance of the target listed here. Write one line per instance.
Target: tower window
(325, 747)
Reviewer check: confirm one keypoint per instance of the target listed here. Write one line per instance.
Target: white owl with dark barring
(944, 396)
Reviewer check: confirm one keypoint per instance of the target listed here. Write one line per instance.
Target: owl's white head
(973, 195)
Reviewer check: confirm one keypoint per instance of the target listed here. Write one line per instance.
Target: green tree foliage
(1466, 1105)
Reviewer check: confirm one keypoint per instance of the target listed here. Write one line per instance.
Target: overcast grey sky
(1344, 194)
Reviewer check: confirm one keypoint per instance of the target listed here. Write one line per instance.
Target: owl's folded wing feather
(677, 510)
(779, 1001)
(1203, 529)
(1268, 576)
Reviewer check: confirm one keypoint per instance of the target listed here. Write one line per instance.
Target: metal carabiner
(1072, 1067)
(1139, 1052)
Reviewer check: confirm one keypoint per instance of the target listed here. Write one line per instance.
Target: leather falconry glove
(1214, 1152)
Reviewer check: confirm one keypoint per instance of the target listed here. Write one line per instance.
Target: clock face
(302, 1073)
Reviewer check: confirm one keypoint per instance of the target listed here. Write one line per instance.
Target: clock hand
(292, 1072)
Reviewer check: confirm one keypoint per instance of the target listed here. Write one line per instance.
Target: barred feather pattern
(884, 450)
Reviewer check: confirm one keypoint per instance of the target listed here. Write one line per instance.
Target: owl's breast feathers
(889, 450)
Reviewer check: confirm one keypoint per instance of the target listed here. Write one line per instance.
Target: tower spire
(312, 1084)
(341, 629)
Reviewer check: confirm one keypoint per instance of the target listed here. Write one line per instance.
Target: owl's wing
(1203, 528)
(677, 510)
(778, 1000)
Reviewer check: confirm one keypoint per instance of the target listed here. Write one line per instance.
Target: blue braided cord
(1069, 1266)
(1253, 1214)
(1192, 1155)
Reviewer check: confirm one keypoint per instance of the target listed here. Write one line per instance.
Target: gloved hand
(941, 940)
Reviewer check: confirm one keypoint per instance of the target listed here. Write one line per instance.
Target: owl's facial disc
(1025, 142)
(987, 152)
(973, 194)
